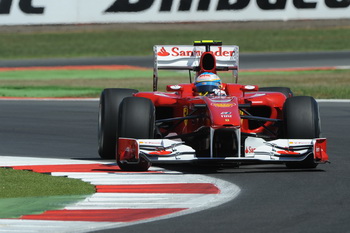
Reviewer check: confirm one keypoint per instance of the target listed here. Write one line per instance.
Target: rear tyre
(284, 90)
(301, 121)
(110, 100)
(136, 120)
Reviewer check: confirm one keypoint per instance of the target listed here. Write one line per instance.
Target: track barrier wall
(37, 12)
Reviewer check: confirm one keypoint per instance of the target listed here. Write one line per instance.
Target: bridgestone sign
(20, 12)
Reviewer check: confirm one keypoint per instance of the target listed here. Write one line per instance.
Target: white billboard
(31, 12)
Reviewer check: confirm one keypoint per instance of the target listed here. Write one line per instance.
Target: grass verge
(325, 84)
(25, 192)
(31, 184)
(96, 42)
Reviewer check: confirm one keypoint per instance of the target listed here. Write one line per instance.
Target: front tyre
(136, 120)
(301, 121)
(110, 100)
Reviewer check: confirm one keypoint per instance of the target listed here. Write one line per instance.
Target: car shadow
(242, 169)
(209, 168)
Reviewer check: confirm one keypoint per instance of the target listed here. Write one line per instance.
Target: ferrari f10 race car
(207, 120)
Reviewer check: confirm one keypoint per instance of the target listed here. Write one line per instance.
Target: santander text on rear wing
(187, 57)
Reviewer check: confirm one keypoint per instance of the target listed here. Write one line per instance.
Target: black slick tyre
(110, 100)
(301, 121)
(136, 120)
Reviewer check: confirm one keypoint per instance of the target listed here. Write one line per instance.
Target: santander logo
(249, 150)
(180, 52)
(163, 52)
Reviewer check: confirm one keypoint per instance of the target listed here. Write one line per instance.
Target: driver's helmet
(207, 82)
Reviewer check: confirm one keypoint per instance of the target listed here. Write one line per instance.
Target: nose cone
(223, 112)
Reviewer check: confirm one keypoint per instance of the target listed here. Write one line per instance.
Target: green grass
(113, 42)
(16, 183)
(75, 83)
(77, 74)
(18, 206)
(47, 91)
(25, 192)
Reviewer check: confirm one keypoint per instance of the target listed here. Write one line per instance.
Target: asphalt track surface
(247, 60)
(272, 198)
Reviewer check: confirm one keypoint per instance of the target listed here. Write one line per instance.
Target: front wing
(255, 150)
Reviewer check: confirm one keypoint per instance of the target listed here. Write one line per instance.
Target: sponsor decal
(118, 6)
(223, 105)
(26, 6)
(163, 52)
(249, 150)
(221, 5)
(150, 142)
(300, 142)
(29, 12)
(220, 100)
(178, 52)
(226, 114)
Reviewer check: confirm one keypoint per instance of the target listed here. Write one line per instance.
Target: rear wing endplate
(187, 57)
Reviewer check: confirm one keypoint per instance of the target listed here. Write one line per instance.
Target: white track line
(333, 100)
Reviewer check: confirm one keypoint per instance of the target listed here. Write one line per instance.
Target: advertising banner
(31, 12)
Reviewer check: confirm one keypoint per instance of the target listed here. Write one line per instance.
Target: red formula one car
(207, 120)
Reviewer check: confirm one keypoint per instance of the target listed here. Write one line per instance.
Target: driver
(209, 84)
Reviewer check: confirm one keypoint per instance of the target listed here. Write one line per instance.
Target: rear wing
(187, 57)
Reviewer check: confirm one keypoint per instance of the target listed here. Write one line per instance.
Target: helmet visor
(202, 87)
